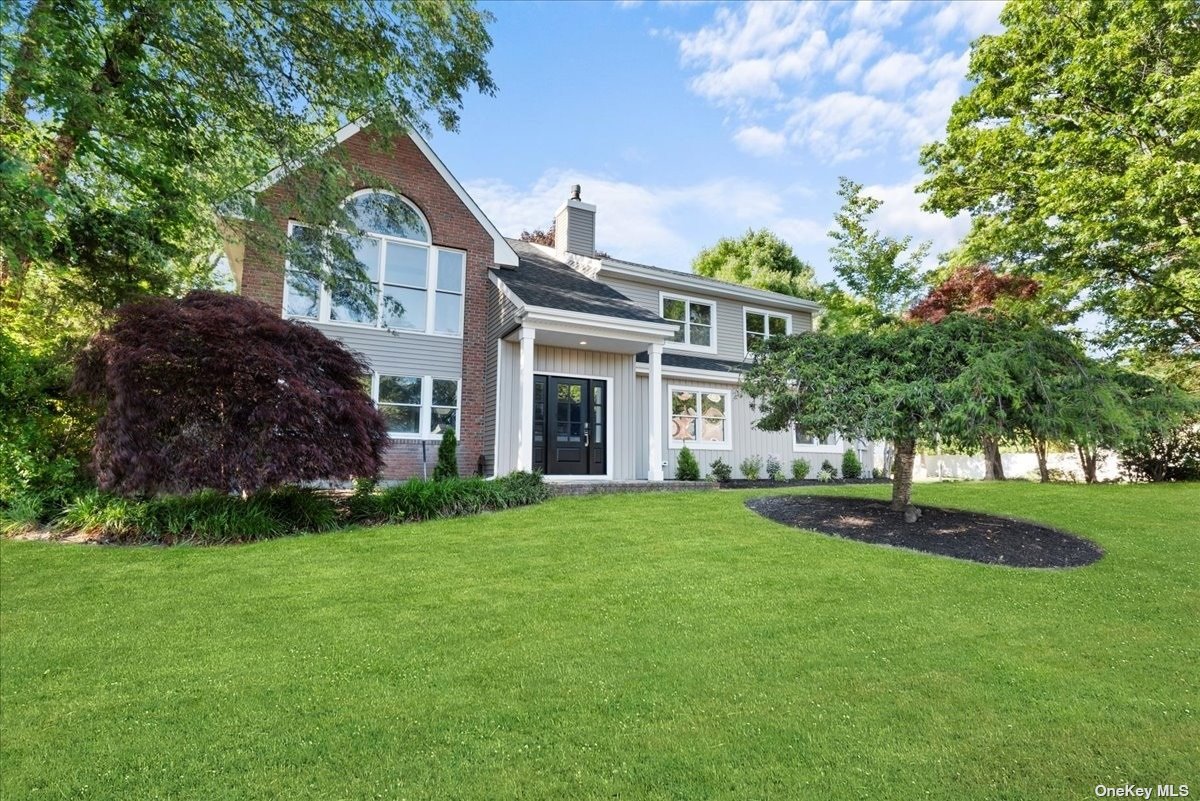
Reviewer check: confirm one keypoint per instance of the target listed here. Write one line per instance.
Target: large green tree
(1077, 153)
(126, 122)
(759, 259)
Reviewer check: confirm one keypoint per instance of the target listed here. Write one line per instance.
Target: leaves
(759, 259)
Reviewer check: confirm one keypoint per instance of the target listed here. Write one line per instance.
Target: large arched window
(417, 287)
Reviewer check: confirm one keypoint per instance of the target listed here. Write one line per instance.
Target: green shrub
(687, 468)
(419, 499)
(825, 475)
(751, 467)
(800, 468)
(23, 512)
(878, 473)
(447, 460)
(827, 467)
(720, 470)
(774, 468)
(851, 466)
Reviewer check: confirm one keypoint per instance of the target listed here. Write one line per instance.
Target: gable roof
(503, 254)
(543, 281)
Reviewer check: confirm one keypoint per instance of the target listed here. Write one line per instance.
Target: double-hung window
(694, 323)
(412, 285)
(417, 406)
(699, 418)
(804, 441)
(762, 325)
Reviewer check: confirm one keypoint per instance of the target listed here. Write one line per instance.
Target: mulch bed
(948, 532)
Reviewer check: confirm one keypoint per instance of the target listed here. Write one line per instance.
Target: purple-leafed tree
(217, 391)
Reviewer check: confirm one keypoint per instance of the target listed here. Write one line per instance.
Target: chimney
(575, 226)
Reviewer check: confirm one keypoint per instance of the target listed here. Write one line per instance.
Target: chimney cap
(575, 190)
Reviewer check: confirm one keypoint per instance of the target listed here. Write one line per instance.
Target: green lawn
(636, 646)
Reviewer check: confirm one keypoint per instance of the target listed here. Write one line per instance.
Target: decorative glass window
(807, 441)
(762, 325)
(417, 406)
(693, 319)
(699, 418)
(414, 286)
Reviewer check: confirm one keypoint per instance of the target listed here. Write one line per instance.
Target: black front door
(570, 432)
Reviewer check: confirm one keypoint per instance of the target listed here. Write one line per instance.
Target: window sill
(676, 445)
(369, 327)
(690, 348)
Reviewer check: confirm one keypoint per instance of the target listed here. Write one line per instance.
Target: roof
(695, 362)
(541, 280)
(696, 281)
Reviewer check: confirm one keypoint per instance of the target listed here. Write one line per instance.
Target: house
(541, 358)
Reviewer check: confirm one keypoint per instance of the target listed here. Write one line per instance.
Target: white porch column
(656, 412)
(525, 428)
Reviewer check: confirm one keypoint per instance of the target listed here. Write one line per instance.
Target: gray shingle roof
(696, 362)
(541, 280)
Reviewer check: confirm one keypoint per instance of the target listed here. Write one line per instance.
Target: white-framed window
(761, 324)
(695, 321)
(699, 418)
(415, 406)
(416, 286)
(805, 441)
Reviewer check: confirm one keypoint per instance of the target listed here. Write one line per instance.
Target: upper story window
(416, 287)
(762, 325)
(695, 321)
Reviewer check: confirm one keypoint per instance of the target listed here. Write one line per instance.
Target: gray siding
(730, 320)
(399, 353)
(501, 315)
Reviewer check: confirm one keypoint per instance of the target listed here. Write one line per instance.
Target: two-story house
(541, 358)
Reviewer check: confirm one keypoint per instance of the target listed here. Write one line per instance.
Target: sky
(687, 122)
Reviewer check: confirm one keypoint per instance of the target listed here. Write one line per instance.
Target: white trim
(837, 446)
(692, 373)
(525, 400)
(608, 421)
(697, 444)
(697, 283)
(496, 412)
(543, 317)
(425, 411)
(502, 252)
(655, 460)
(711, 304)
(767, 315)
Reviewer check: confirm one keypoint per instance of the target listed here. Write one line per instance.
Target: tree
(539, 237)
(217, 391)
(1075, 152)
(758, 259)
(687, 468)
(447, 457)
(122, 127)
(956, 382)
(880, 281)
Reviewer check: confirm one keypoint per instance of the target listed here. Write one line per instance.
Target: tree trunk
(1039, 448)
(993, 465)
(1087, 460)
(902, 472)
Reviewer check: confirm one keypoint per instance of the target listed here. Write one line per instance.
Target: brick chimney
(575, 226)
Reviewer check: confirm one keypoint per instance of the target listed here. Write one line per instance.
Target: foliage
(827, 467)
(826, 474)
(1075, 154)
(880, 282)
(721, 471)
(878, 473)
(268, 401)
(774, 468)
(1172, 455)
(44, 432)
(204, 517)
(751, 467)
(758, 259)
(539, 236)
(123, 128)
(800, 469)
(418, 499)
(851, 466)
(974, 290)
(447, 457)
(687, 468)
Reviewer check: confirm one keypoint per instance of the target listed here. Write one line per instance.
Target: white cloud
(844, 125)
(901, 215)
(894, 72)
(975, 18)
(759, 141)
(879, 13)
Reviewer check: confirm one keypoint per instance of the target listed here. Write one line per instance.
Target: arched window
(417, 287)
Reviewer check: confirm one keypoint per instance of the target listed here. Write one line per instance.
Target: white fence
(934, 466)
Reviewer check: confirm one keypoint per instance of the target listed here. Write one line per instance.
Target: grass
(640, 646)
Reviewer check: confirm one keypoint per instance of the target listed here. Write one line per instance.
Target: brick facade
(452, 225)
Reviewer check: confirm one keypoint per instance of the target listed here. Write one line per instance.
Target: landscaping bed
(946, 532)
(746, 483)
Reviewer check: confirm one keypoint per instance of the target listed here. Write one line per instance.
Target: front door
(570, 429)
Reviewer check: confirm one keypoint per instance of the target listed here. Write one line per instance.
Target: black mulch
(948, 532)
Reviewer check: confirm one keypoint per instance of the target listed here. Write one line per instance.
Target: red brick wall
(406, 169)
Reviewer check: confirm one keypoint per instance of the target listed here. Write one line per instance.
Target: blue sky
(685, 122)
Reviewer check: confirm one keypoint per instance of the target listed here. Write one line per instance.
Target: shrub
(23, 512)
(878, 473)
(447, 460)
(774, 468)
(800, 468)
(851, 466)
(751, 467)
(720, 470)
(418, 499)
(827, 467)
(687, 468)
(1174, 456)
(825, 475)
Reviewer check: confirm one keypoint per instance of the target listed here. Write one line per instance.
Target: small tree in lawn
(217, 391)
(447, 462)
(687, 468)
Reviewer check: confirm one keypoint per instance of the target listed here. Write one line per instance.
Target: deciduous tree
(758, 259)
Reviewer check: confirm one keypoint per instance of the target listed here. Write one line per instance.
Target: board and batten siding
(502, 316)
(399, 353)
(730, 320)
(617, 367)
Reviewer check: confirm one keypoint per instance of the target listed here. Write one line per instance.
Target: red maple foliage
(217, 391)
(973, 290)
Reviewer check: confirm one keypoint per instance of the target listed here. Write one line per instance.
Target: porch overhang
(582, 331)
